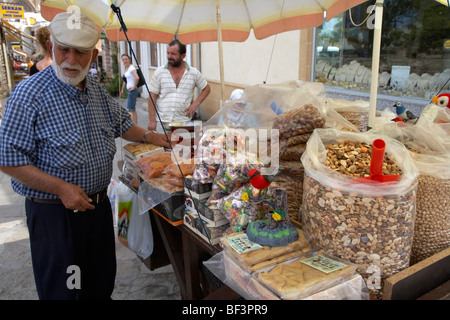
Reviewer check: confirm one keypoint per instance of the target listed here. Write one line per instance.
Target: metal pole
(219, 39)
(375, 62)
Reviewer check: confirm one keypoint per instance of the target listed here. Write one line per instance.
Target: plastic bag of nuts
(294, 189)
(370, 224)
(431, 157)
(299, 121)
(432, 228)
(356, 112)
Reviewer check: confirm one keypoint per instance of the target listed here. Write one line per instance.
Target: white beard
(73, 81)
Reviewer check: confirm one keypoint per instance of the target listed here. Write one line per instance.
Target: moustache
(67, 65)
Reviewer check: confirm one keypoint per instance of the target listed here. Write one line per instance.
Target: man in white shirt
(172, 89)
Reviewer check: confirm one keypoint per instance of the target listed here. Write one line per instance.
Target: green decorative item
(276, 230)
(259, 232)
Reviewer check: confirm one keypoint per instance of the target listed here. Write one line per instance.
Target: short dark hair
(181, 47)
(125, 55)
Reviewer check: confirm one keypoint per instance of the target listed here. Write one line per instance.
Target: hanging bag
(141, 81)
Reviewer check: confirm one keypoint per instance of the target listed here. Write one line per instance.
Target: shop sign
(447, 45)
(12, 11)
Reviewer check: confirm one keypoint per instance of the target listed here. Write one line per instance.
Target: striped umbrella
(444, 2)
(201, 20)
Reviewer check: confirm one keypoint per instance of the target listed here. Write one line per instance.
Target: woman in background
(42, 35)
(131, 82)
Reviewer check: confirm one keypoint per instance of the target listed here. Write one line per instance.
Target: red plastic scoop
(376, 165)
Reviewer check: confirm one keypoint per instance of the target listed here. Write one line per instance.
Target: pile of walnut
(353, 159)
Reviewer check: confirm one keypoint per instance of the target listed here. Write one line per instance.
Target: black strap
(125, 29)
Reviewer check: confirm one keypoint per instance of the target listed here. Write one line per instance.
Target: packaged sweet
(256, 257)
(135, 151)
(153, 165)
(300, 278)
(187, 168)
(151, 169)
(244, 205)
(173, 180)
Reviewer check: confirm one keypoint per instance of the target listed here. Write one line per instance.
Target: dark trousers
(71, 250)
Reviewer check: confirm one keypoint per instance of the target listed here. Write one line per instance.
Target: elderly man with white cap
(57, 144)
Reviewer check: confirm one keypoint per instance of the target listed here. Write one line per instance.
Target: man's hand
(74, 198)
(159, 139)
(190, 111)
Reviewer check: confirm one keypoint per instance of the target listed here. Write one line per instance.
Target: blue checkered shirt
(47, 124)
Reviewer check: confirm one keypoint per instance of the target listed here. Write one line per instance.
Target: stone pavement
(134, 281)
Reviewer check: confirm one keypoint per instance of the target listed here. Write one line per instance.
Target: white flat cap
(74, 30)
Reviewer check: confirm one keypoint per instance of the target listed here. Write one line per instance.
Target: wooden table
(185, 251)
(176, 244)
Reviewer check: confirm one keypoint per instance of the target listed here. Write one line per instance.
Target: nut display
(364, 222)
(353, 159)
(292, 141)
(299, 121)
(358, 119)
(294, 188)
(432, 226)
(293, 153)
(365, 230)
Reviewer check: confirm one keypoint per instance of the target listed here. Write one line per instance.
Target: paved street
(133, 281)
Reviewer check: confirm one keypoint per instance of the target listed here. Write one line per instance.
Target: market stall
(287, 196)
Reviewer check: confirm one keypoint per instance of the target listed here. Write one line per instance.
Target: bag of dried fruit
(432, 159)
(365, 222)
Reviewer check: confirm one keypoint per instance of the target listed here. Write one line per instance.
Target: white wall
(247, 63)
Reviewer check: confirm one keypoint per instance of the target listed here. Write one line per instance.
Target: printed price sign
(12, 11)
(241, 244)
(323, 264)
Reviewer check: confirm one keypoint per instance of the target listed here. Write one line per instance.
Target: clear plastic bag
(355, 112)
(153, 165)
(432, 159)
(187, 168)
(292, 153)
(157, 190)
(140, 238)
(436, 121)
(370, 224)
(133, 228)
(242, 280)
(260, 104)
(299, 121)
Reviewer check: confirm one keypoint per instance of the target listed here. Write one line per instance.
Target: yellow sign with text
(447, 45)
(10, 11)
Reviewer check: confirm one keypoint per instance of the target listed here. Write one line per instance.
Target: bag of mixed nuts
(431, 157)
(367, 223)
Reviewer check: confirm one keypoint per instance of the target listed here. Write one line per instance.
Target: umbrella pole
(375, 62)
(219, 40)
